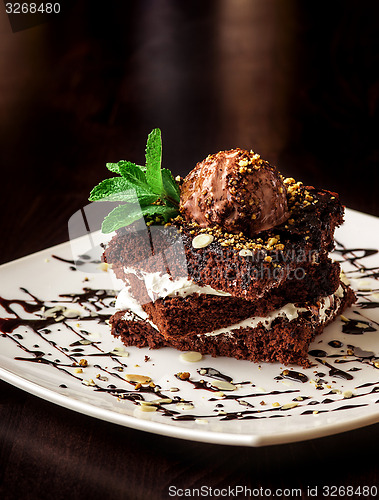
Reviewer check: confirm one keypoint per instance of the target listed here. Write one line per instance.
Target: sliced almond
(202, 240)
(138, 379)
(161, 401)
(362, 325)
(147, 408)
(223, 385)
(71, 313)
(156, 402)
(120, 351)
(185, 406)
(191, 356)
(288, 406)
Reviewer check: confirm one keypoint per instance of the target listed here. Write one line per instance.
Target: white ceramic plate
(262, 411)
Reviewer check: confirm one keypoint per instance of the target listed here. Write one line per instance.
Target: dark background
(297, 81)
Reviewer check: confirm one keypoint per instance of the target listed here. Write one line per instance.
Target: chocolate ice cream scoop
(236, 190)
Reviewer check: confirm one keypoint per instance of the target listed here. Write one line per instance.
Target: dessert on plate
(231, 261)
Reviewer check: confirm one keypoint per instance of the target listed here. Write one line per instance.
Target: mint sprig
(146, 191)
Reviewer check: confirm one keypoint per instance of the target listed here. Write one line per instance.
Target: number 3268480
(32, 8)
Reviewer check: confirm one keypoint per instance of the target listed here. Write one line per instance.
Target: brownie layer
(285, 340)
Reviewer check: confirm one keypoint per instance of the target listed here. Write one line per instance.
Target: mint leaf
(124, 215)
(153, 161)
(134, 174)
(115, 167)
(170, 187)
(109, 189)
(120, 189)
(121, 216)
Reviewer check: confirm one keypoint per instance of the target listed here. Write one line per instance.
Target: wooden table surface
(296, 81)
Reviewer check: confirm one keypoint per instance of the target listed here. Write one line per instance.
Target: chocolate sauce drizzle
(357, 327)
(213, 373)
(354, 256)
(82, 261)
(97, 305)
(294, 375)
(335, 372)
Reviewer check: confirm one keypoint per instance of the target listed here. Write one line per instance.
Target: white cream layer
(289, 311)
(161, 285)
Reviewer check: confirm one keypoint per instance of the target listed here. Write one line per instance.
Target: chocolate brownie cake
(242, 271)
